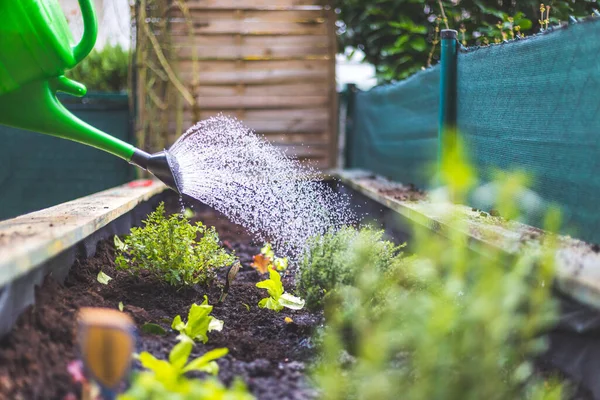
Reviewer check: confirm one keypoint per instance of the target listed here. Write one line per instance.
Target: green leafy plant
(452, 324)
(278, 298)
(168, 248)
(103, 70)
(198, 324)
(146, 387)
(400, 37)
(169, 371)
(329, 261)
(165, 379)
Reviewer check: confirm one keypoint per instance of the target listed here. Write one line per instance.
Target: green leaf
(418, 44)
(180, 353)
(154, 329)
(267, 250)
(119, 245)
(121, 306)
(103, 278)
(291, 302)
(150, 362)
(270, 303)
(247, 306)
(199, 322)
(215, 324)
(178, 324)
(272, 285)
(188, 213)
(205, 362)
(281, 264)
(524, 23)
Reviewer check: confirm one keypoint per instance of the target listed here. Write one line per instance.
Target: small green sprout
(199, 323)
(121, 306)
(103, 278)
(277, 299)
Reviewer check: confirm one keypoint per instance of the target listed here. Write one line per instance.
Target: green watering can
(35, 50)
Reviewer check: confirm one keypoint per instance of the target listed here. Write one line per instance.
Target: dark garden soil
(265, 351)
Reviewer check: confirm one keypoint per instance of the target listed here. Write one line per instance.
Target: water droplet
(225, 165)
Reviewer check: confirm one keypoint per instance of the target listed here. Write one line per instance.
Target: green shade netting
(531, 105)
(393, 129)
(39, 171)
(534, 106)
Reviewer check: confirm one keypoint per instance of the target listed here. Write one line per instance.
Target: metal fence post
(447, 123)
(349, 139)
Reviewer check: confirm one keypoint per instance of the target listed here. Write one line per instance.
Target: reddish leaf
(261, 263)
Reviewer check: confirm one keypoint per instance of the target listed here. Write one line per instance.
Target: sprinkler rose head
(162, 165)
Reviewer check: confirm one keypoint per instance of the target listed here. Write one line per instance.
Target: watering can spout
(162, 165)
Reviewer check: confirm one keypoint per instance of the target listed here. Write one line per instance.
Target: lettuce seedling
(170, 371)
(277, 299)
(198, 324)
(267, 260)
(145, 387)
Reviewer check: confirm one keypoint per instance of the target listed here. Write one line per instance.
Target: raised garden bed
(264, 350)
(269, 352)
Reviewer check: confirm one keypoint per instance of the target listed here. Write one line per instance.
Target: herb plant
(198, 324)
(278, 298)
(454, 325)
(329, 261)
(168, 247)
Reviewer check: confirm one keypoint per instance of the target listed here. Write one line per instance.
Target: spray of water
(225, 165)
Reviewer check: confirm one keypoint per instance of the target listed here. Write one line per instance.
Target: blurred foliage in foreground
(451, 324)
(399, 37)
(103, 70)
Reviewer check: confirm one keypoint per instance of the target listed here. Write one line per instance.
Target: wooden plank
(297, 139)
(31, 239)
(252, 77)
(253, 4)
(277, 127)
(251, 41)
(247, 53)
(265, 115)
(576, 263)
(281, 89)
(234, 102)
(256, 65)
(250, 27)
(305, 152)
(201, 17)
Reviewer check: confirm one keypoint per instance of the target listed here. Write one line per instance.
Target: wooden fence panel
(269, 63)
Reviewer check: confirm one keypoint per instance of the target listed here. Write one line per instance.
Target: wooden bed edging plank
(30, 240)
(577, 264)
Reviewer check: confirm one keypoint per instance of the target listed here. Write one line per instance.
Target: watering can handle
(90, 31)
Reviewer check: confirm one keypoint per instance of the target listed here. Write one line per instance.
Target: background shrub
(104, 70)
